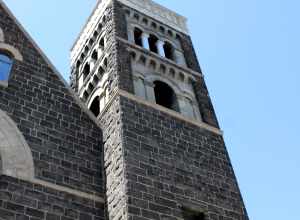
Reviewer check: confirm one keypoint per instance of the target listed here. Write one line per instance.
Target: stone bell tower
(135, 68)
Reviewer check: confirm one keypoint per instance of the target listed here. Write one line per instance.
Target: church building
(133, 136)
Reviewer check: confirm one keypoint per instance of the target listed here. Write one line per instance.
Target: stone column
(150, 95)
(139, 87)
(187, 108)
(160, 47)
(197, 111)
(179, 58)
(131, 35)
(92, 64)
(181, 104)
(145, 40)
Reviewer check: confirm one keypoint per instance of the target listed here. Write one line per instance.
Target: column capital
(160, 43)
(149, 83)
(160, 46)
(145, 35)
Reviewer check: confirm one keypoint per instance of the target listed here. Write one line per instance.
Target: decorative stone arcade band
(151, 42)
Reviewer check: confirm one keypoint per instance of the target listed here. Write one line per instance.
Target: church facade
(134, 136)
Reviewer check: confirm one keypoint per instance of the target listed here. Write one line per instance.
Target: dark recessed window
(192, 214)
(152, 43)
(165, 96)
(169, 51)
(5, 66)
(138, 37)
(95, 106)
(95, 55)
(102, 44)
(86, 71)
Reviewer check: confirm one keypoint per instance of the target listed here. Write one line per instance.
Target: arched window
(169, 51)
(85, 96)
(95, 106)
(86, 70)
(165, 96)
(152, 43)
(5, 66)
(78, 63)
(101, 43)
(138, 37)
(95, 55)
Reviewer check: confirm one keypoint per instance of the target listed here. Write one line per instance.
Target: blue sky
(249, 53)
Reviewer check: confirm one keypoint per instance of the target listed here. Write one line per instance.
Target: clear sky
(249, 53)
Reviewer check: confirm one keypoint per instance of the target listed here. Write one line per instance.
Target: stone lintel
(120, 92)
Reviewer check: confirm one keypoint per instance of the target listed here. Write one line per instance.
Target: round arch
(16, 156)
(153, 77)
(96, 92)
(11, 50)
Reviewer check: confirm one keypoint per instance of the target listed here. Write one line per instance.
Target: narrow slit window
(6, 63)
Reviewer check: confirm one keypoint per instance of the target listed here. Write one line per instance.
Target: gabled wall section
(64, 179)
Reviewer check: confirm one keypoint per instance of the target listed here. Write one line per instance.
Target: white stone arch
(96, 92)
(154, 77)
(16, 156)
(1, 35)
(137, 25)
(11, 50)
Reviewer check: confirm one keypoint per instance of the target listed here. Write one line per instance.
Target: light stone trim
(68, 190)
(177, 115)
(158, 58)
(13, 51)
(158, 12)
(1, 35)
(15, 153)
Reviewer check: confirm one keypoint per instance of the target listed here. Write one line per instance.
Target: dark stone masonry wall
(124, 69)
(21, 200)
(119, 66)
(205, 105)
(189, 53)
(171, 164)
(66, 144)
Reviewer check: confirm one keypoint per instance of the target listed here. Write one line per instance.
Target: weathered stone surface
(65, 143)
(147, 163)
(178, 164)
(43, 203)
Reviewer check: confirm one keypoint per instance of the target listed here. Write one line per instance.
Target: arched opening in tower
(95, 55)
(169, 51)
(152, 43)
(138, 37)
(95, 106)
(165, 96)
(86, 70)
